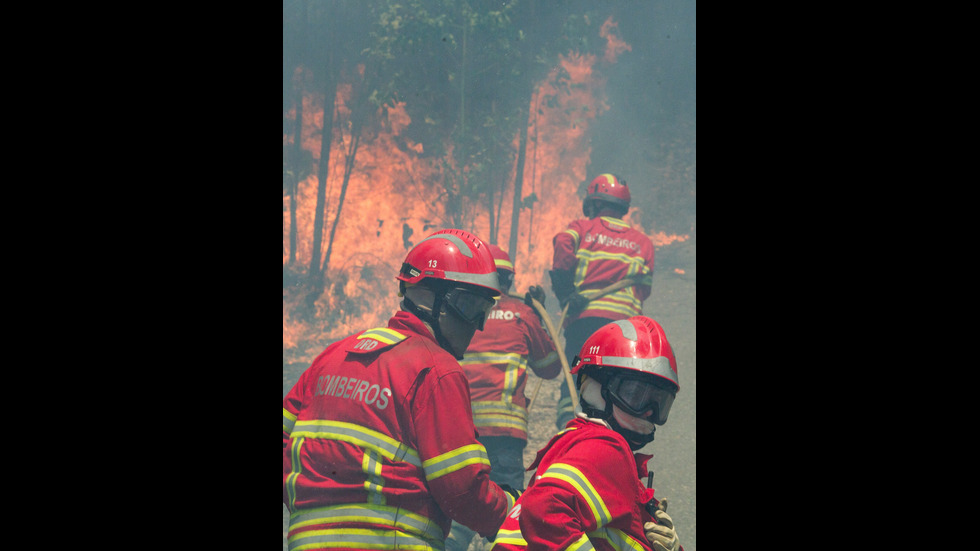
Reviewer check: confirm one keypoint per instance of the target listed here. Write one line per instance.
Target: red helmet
(635, 364)
(609, 188)
(453, 256)
(501, 258)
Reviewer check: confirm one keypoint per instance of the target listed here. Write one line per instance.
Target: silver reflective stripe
(581, 484)
(455, 460)
(618, 539)
(463, 246)
(657, 366)
(288, 421)
(375, 483)
(486, 280)
(581, 544)
(383, 334)
(629, 331)
(510, 537)
(359, 436)
(411, 523)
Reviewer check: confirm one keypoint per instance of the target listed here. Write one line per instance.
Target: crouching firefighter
(379, 450)
(587, 491)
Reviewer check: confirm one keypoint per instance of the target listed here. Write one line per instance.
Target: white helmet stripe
(484, 280)
(628, 329)
(462, 245)
(656, 366)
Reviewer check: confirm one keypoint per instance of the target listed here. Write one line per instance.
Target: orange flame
(392, 200)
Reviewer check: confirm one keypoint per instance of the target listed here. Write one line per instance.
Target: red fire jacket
(379, 449)
(602, 251)
(586, 490)
(496, 365)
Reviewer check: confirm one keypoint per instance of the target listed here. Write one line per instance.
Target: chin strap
(433, 321)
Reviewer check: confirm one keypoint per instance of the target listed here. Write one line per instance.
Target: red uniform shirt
(586, 490)
(602, 251)
(379, 448)
(496, 365)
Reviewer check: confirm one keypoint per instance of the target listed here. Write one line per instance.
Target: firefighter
(587, 490)
(379, 450)
(496, 365)
(593, 253)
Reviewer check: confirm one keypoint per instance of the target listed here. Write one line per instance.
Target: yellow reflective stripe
(546, 361)
(503, 263)
(360, 538)
(383, 334)
(618, 539)
(288, 420)
(499, 408)
(396, 517)
(455, 460)
(583, 543)
(510, 537)
(297, 469)
(375, 483)
(499, 414)
(575, 236)
(615, 221)
(516, 366)
(581, 483)
(614, 307)
(359, 436)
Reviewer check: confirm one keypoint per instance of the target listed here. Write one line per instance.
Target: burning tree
(407, 116)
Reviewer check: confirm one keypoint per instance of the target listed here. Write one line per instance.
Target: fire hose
(622, 284)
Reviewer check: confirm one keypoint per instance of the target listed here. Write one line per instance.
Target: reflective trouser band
(501, 415)
(361, 538)
(407, 529)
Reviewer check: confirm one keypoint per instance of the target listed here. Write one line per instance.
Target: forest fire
(395, 197)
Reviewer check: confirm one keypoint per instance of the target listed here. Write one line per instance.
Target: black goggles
(640, 397)
(469, 306)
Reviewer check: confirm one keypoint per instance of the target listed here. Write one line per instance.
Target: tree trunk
(515, 217)
(357, 123)
(322, 175)
(297, 157)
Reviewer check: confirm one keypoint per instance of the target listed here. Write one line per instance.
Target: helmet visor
(640, 397)
(469, 306)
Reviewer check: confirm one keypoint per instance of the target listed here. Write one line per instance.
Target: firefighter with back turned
(379, 450)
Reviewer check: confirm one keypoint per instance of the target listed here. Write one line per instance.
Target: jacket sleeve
(291, 405)
(586, 489)
(565, 244)
(543, 358)
(456, 465)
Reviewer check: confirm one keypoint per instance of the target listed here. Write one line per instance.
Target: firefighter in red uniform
(593, 253)
(587, 491)
(379, 450)
(496, 365)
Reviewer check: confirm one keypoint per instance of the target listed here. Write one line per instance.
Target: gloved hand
(661, 534)
(576, 304)
(537, 293)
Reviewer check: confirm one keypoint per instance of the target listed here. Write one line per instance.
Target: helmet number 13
(432, 263)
